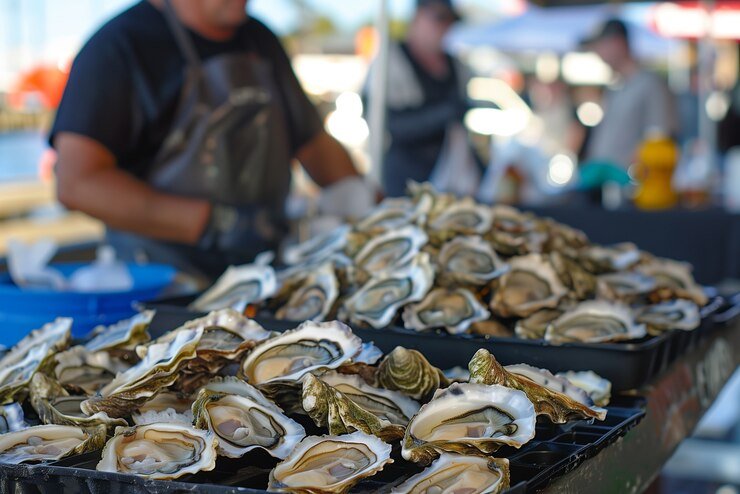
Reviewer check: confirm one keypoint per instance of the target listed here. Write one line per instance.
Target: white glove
(350, 198)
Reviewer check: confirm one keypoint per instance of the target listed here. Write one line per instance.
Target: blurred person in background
(426, 94)
(636, 105)
(177, 129)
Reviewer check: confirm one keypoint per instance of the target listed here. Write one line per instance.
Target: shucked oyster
(48, 442)
(377, 302)
(530, 285)
(464, 217)
(87, 370)
(410, 373)
(581, 283)
(469, 260)
(390, 250)
(674, 279)
(317, 248)
(452, 473)
(604, 259)
(238, 287)
(470, 419)
(125, 334)
(330, 464)
(159, 451)
(559, 407)
(534, 326)
(452, 309)
(595, 322)
(395, 213)
(673, 314)
(314, 299)
(625, 285)
(165, 406)
(243, 419)
(31, 354)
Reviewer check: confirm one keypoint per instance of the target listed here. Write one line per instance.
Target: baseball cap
(447, 4)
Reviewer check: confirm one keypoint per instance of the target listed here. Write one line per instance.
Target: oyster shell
(314, 299)
(578, 280)
(317, 248)
(330, 464)
(125, 334)
(451, 473)
(394, 213)
(673, 314)
(491, 328)
(159, 368)
(55, 405)
(87, 370)
(165, 406)
(516, 233)
(159, 451)
(238, 287)
(390, 249)
(452, 309)
(545, 378)
(534, 326)
(369, 354)
(625, 285)
(559, 407)
(31, 354)
(48, 443)
(469, 260)
(243, 419)
(330, 408)
(464, 217)
(377, 302)
(595, 322)
(11, 418)
(470, 419)
(530, 285)
(605, 259)
(674, 278)
(598, 388)
(293, 354)
(410, 373)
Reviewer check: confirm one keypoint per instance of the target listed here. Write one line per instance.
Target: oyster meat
(125, 334)
(408, 372)
(165, 406)
(330, 464)
(391, 249)
(452, 309)
(87, 370)
(238, 287)
(242, 419)
(470, 419)
(48, 443)
(530, 284)
(317, 248)
(464, 217)
(159, 451)
(314, 299)
(469, 260)
(673, 314)
(452, 473)
(595, 322)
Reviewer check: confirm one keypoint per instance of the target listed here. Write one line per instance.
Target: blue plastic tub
(24, 310)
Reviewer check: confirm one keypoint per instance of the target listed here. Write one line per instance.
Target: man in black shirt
(177, 129)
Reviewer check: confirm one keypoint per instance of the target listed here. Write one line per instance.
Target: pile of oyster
(431, 261)
(326, 405)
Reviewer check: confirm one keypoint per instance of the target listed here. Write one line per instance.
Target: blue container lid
(13, 327)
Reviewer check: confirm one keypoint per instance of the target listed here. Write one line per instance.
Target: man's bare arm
(325, 160)
(89, 180)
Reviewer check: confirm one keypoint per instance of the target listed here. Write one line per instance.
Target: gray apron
(229, 144)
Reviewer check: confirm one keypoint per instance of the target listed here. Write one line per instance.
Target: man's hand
(89, 180)
(325, 160)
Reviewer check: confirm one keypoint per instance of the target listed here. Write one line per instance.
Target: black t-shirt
(133, 62)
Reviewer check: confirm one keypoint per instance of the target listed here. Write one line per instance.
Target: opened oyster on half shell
(317, 248)
(672, 314)
(595, 321)
(469, 260)
(87, 370)
(452, 309)
(165, 406)
(674, 279)
(531, 284)
(124, 335)
(464, 217)
(314, 299)
(238, 287)
(453, 473)
(48, 443)
(391, 249)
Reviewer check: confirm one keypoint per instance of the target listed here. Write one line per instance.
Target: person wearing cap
(636, 105)
(426, 93)
(177, 129)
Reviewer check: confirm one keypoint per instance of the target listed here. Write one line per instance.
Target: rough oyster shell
(534, 326)
(582, 283)
(410, 373)
(626, 285)
(48, 443)
(452, 473)
(330, 464)
(11, 418)
(318, 248)
(605, 259)
(675, 279)
(243, 419)
(530, 284)
(464, 217)
(469, 260)
(545, 378)
(394, 213)
(390, 249)
(87, 370)
(377, 302)
(165, 406)
(559, 407)
(673, 314)
(330, 408)
(595, 322)
(125, 334)
(31, 354)
(310, 347)
(598, 388)
(159, 451)
(452, 309)
(470, 419)
(314, 299)
(238, 287)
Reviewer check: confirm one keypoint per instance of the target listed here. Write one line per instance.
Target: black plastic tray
(555, 450)
(628, 365)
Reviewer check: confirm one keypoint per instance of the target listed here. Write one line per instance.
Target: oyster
(125, 334)
(469, 419)
(673, 314)
(243, 419)
(559, 407)
(452, 309)
(330, 464)
(410, 373)
(578, 280)
(377, 302)
(451, 473)
(491, 328)
(159, 451)
(394, 213)
(165, 406)
(390, 249)
(516, 233)
(87, 370)
(464, 217)
(469, 260)
(595, 322)
(159, 368)
(674, 279)
(238, 287)
(31, 354)
(605, 259)
(625, 285)
(545, 378)
(393, 406)
(293, 354)
(598, 388)
(534, 326)
(48, 442)
(314, 299)
(11, 418)
(530, 285)
(369, 354)
(55, 405)
(318, 248)
(330, 408)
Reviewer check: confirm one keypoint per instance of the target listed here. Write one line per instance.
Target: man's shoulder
(137, 20)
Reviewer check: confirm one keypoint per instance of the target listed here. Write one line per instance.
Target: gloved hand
(350, 198)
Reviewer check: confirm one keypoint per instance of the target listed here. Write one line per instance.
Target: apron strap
(184, 42)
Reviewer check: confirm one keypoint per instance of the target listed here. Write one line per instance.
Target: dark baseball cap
(447, 4)
(609, 29)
